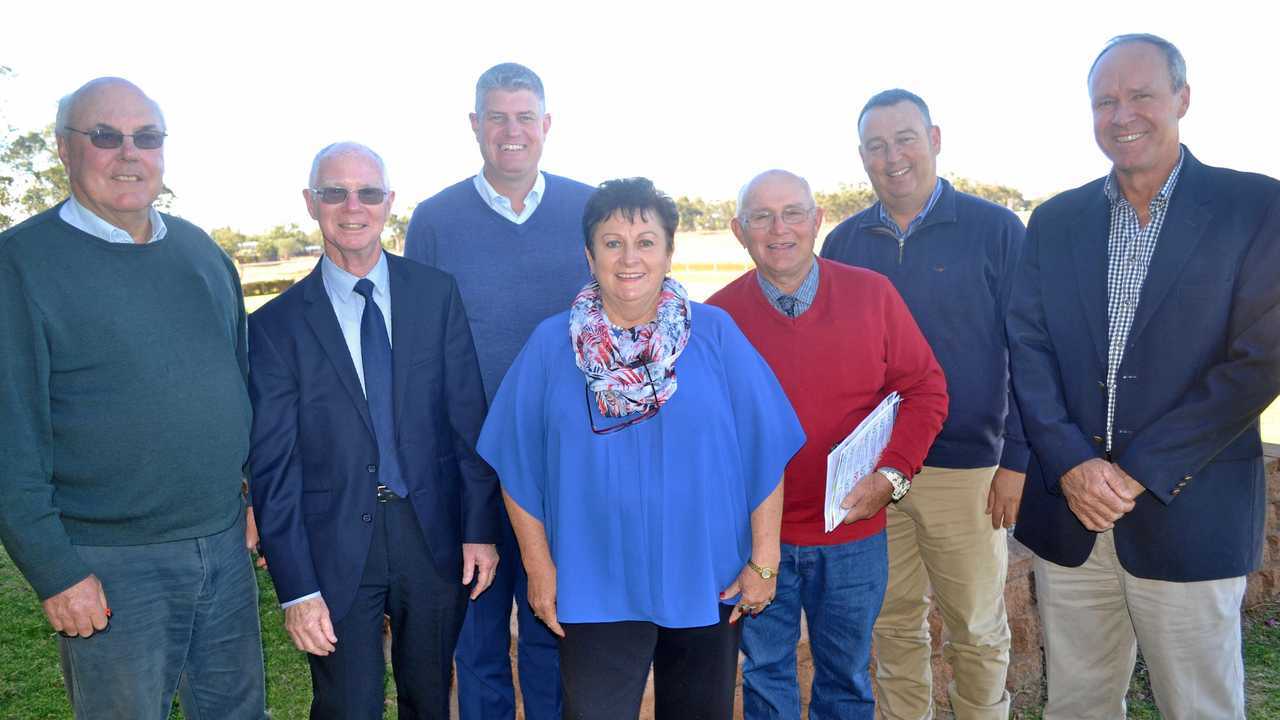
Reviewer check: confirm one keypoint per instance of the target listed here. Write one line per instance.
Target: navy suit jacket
(314, 460)
(1202, 362)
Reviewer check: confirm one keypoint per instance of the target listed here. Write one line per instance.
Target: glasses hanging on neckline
(648, 412)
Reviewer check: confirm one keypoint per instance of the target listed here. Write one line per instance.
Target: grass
(31, 680)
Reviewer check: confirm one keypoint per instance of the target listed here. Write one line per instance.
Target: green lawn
(31, 682)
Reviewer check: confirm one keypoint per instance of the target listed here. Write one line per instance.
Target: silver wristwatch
(901, 484)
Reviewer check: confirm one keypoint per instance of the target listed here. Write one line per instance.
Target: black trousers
(426, 613)
(604, 667)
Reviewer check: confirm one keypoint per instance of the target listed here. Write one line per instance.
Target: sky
(697, 95)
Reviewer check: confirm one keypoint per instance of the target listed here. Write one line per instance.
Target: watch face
(766, 573)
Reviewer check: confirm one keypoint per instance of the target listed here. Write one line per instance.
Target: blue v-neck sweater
(511, 276)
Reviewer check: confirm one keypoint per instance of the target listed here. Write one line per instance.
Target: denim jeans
(840, 588)
(184, 619)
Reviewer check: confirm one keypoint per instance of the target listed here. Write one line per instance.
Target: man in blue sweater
(124, 425)
(952, 257)
(511, 235)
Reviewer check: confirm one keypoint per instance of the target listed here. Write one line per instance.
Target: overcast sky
(698, 96)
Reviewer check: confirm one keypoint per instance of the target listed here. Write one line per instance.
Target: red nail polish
(108, 612)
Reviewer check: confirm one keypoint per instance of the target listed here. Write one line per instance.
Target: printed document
(857, 456)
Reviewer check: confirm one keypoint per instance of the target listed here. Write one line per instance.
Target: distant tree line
(33, 180)
(845, 201)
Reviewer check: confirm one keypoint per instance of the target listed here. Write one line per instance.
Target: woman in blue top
(640, 441)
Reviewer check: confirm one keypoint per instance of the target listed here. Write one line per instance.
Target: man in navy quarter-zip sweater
(952, 257)
(512, 237)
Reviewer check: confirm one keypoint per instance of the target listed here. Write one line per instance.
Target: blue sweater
(955, 272)
(511, 276)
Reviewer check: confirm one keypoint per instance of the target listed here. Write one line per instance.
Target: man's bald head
(71, 106)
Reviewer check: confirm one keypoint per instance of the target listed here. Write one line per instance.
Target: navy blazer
(1202, 362)
(313, 458)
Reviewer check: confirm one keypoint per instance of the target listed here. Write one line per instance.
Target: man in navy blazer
(369, 495)
(1145, 337)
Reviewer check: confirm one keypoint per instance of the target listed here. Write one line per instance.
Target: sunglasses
(338, 195)
(109, 139)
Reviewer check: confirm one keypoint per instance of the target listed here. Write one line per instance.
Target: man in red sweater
(839, 339)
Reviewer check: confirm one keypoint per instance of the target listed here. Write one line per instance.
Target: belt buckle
(386, 495)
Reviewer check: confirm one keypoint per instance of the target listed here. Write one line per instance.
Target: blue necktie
(375, 354)
(788, 305)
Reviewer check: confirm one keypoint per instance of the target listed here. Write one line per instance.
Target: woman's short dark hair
(628, 196)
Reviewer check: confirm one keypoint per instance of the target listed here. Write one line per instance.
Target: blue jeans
(485, 688)
(840, 588)
(184, 619)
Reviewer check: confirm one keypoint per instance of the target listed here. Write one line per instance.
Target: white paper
(857, 456)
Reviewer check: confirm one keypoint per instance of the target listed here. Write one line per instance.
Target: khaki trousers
(941, 537)
(1097, 615)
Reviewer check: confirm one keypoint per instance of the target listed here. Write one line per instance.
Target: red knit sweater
(837, 361)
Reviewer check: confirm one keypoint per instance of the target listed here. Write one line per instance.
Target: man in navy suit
(1145, 336)
(369, 495)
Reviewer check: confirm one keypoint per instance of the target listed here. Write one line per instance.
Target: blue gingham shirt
(1129, 251)
(887, 220)
(803, 295)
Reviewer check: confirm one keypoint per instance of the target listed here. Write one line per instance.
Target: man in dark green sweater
(124, 422)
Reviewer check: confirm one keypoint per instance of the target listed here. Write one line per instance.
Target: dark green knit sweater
(124, 417)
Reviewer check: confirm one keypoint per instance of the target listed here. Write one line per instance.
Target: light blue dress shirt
(81, 218)
(348, 306)
(501, 204)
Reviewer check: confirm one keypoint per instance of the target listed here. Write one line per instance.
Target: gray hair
(70, 102)
(347, 148)
(745, 192)
(889, 98)
(1172, 56)
(510, 77)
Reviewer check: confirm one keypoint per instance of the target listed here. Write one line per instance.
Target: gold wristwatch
(764, 572)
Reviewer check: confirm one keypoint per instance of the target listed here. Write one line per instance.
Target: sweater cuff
(51, 580)
(1015, 456)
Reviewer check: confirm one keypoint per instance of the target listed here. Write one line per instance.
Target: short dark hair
(511, 77)
(628, 196)
(892, 97)
(1172, 56)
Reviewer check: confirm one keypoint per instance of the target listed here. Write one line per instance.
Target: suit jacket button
(1186, 477)
(1097, 439)
(369, 518)
(372, 468)
(1175, 491)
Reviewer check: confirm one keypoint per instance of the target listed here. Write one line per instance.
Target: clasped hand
(1100, 493)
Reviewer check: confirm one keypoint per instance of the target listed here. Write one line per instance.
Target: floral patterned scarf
(619, 363)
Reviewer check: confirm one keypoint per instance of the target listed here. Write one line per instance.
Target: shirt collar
(887, 220)
(1112, 188)
(502, 203)
(341, 285)
(804, 294)
(81, 218)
